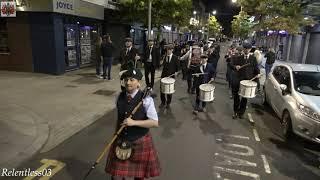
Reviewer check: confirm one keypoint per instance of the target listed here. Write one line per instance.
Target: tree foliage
(241, 25)
(213, 26)
(277, 14)
(175, 12)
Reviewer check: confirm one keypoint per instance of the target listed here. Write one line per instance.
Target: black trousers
(239, 103)
(190, 80)
(165, 98)
(149, 68)
(198, 102)
(184, 69)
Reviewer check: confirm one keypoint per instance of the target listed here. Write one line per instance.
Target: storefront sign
(8, 9)
(63, 6)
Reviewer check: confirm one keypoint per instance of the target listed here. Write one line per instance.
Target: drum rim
(212, 86)
(168, 78)
(253, 84)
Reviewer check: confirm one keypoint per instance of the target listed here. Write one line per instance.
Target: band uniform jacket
(155, 54)
(171, 67)
(126, 58)
(245, 73)
(205, 78)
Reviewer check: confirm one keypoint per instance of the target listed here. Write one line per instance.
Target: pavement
(40, 111)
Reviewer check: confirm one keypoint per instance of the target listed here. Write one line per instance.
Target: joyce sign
(63, 6)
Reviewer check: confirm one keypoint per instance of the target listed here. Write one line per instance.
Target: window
(4, 48)
(282, 75)
(276, 73)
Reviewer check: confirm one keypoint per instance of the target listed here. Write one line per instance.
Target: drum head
(168, 80)
(248, 83)
(206, 87)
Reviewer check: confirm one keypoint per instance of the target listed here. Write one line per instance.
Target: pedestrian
(258, 56)
(271, 58)
(143, 161)
(170, 67)
(231, 52)
(98, 56)
(151, 62)
(242, 73)
(107, 49)
(183, 64)
(207, 74)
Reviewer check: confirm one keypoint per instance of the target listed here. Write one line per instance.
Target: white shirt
(203, 67)
(128, 50)
(150, 54)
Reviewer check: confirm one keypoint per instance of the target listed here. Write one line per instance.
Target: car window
(307, 82)
(285, 77)
(277, 73)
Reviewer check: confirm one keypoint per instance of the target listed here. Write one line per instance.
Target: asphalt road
(209, 146)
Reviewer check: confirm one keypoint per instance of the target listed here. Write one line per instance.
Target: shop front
(60, 34)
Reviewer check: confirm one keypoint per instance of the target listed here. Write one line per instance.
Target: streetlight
(214, 12)
(194, 12)
(234, 1)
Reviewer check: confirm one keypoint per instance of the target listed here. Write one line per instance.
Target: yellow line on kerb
(47, 163)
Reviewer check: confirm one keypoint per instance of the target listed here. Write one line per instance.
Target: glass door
(85, 45)
(71, 47)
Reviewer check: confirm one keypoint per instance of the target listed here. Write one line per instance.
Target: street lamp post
(149, 19)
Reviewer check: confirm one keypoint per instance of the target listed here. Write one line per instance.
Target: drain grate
(104, 92)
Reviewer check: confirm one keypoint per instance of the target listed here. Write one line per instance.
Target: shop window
(4, 47)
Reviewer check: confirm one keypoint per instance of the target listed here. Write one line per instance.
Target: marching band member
(151, 62)
(143, 161)
(170, 67)
(193, 62)
(208, 75)
(242, 73)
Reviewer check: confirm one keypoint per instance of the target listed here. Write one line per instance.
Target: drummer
(170, 68)
(206, 74)
(244, 73)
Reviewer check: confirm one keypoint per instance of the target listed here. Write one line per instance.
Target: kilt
(143, 163)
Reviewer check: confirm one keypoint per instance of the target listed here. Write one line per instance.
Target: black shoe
(162, 105)
(234, 116)
(195, 112)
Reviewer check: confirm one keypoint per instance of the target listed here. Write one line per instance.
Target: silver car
(293, 92)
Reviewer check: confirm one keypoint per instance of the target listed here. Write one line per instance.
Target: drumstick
(244, 66)
(173, 74)
(195, 74)
(255, 77)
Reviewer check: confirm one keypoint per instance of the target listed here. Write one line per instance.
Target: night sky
(225, 12)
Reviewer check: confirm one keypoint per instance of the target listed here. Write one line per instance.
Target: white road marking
(249, 150)
(266, 164)
(231, 161)
(234, 171)
(250, 118)
(256, 136)
(234, 136)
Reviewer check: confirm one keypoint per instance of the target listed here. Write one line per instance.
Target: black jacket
(155, 54)
(107, 49)
(126, 58)
(170, 68)
(245, 73)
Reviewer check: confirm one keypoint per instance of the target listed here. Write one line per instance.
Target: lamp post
(149, 19)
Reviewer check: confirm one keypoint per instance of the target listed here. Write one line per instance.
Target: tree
(213, 26)
(175, 12)
(277, 15)
(241, 25)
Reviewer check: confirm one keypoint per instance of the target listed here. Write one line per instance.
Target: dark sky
(225, 12)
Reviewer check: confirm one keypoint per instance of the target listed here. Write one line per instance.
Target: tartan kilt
(143, 163)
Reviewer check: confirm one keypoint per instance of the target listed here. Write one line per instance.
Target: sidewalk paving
(40, 111)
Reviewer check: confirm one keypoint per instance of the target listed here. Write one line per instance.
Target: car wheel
(286, 125)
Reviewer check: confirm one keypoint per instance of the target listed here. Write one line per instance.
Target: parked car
(293, 92)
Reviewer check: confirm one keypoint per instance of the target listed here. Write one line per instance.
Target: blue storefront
(61, 34)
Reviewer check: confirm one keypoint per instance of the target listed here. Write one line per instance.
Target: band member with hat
(206, 73)
(128, 55)
(241, 72)
(143, 162)
(170, 66)
(151, 62)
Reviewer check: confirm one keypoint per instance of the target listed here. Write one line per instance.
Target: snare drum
(206, 92)
(247, 89)
(122, 80)
(167, 85)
